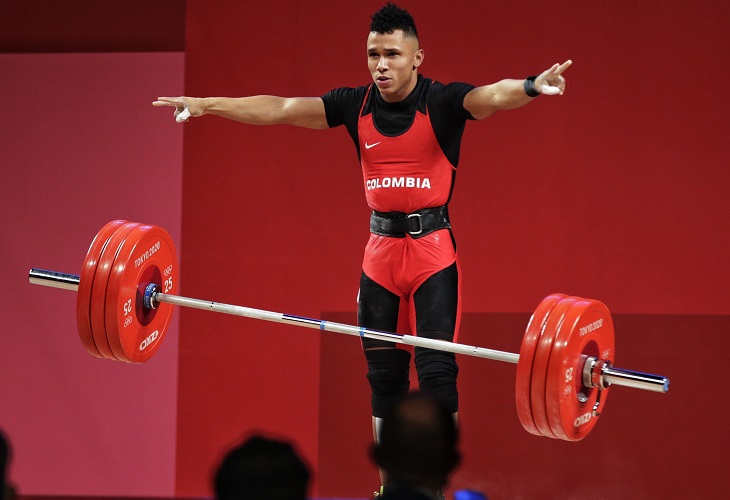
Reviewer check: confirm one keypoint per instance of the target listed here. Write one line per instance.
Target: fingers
(178, 102)
(551, 81)
(557, 69)
(563, 67)
(181, 114)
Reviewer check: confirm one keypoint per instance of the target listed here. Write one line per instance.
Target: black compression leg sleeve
(437, 371)
(388, 376)
(436, 302)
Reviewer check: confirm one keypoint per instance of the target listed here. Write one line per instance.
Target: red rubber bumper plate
(100, 288)
(586, 330)
(86, 282)
(540, 364)
(527, 355)
(146, 256)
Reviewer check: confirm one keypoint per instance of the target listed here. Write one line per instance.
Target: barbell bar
(609, 374)
(126, 296)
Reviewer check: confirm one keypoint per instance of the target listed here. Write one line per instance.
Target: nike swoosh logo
(368, 146)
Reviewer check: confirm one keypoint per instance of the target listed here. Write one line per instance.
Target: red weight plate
(100, 288)
(540, 365)
(527, 355)
(86, 281)
(147, 256)
(586, 330)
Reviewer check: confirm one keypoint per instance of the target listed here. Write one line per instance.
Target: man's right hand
(185, 107)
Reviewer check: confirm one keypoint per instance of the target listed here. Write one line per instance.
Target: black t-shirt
(445, 105)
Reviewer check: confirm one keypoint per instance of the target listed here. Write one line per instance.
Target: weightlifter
(407, 131)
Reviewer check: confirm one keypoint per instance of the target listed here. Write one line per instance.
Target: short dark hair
(262, 468)
(391, 18)
(418, 440)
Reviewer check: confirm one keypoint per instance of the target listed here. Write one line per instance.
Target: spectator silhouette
(7, 492)
(262, 469)
(417, 448)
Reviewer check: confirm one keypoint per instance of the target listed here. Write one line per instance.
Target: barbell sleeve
(54, 279)
(637, 380)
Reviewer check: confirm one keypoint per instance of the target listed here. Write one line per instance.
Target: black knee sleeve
(388, 376)
(437, 372)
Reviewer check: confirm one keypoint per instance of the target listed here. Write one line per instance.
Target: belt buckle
(420, 229)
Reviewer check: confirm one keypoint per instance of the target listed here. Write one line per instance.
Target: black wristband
(529, 85)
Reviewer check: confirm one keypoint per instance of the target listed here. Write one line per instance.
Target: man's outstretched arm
(255, 110)
(484, 101)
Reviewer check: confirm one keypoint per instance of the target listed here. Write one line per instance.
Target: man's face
(392, 60)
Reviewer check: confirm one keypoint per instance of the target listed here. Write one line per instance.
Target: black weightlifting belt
(417, 224)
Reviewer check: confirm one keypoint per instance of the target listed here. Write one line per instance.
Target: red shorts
(401, 265)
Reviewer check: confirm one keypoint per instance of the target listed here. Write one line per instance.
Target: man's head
(418, 442)
(262, 469)
(394, 53)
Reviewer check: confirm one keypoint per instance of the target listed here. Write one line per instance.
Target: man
(407, 132)
(418, 449)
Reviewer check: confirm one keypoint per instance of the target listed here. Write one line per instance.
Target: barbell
(126, 293)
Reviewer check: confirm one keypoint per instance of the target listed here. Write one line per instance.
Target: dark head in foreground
(262, 469)
(418, 443)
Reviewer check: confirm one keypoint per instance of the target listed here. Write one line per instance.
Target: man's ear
(418, 58)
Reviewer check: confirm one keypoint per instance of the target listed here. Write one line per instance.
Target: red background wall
(80, 145)
(76, 152)
(617, 190)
